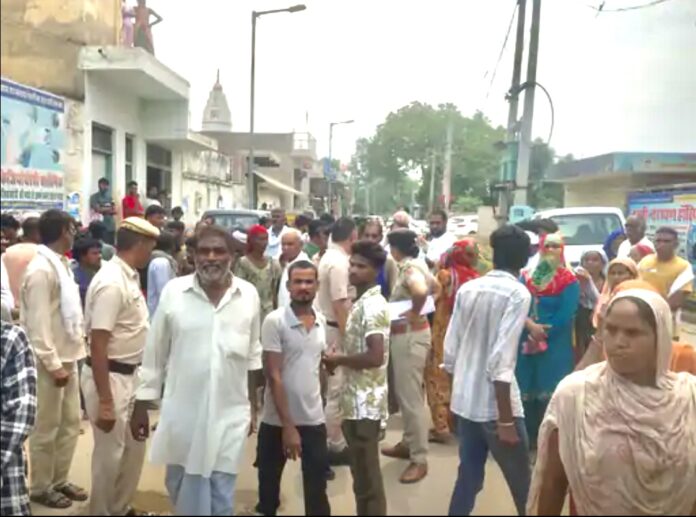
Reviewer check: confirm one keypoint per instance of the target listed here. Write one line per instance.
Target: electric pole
(509, 165)
(433, 164)
(525, 146)
(447, 172)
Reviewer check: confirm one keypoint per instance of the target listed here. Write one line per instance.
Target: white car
(463, 225)
(584, 228)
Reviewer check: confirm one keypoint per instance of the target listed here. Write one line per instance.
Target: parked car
(237, 219)
(463, 225)
(584, 228)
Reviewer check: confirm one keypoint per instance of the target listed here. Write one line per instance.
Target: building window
(159, 173)
(102, 153)
(129, 159)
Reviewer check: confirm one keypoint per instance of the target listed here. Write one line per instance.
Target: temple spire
(216, 115)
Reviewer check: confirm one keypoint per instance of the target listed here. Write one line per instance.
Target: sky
(620, 81)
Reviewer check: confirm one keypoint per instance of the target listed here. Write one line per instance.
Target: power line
(528, 84)
(603, 9)
(502, 51)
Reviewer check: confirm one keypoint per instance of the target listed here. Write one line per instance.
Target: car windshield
(236, 221)
(586, 229)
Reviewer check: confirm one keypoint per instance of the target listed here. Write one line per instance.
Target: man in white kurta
(205, 351)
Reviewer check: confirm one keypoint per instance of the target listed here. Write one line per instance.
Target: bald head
(635, 229)
(401, 219)
(291, 245)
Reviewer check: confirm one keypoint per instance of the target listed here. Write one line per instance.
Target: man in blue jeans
(481, 353)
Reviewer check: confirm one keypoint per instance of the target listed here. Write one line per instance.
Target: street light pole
(251, 191)
(330, 178)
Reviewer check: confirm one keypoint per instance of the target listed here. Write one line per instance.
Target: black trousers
(271, 460)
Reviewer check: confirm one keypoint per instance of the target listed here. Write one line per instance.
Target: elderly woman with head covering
(683, 354)
(260, 270)
(592, 277)
(458, 265)
(620, 434)
(546, 354)
(620, 270)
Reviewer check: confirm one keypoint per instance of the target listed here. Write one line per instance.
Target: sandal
(72, 492)
(52, 499)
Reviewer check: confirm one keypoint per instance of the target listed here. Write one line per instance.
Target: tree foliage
(394, 166)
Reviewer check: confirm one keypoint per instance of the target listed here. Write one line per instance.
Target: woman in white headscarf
(621, 434)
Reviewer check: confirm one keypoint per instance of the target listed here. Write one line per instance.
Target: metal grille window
(159, 157)
(102, 152)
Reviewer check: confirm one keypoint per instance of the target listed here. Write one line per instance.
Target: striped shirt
(482, 342)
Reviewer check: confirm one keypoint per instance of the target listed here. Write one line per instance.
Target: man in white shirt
(440, 239)
(293, 423)
(635, 231)
(481, 354)
(205, 412)
(152, 197)
(291, 244)
(276, 232)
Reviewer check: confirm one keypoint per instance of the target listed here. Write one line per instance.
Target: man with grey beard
(205, 338)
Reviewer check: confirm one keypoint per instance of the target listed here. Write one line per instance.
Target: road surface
(429, 497)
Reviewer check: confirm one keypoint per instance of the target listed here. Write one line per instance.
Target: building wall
(40, 40)
(612, 191)
(587, 194)
(74, 152)
(110, 108)
(124, 115)
(208, 182)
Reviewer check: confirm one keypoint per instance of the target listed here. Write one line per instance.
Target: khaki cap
(141, 226)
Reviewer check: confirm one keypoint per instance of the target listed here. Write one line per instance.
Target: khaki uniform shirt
(407, 268)
(333, 280)
(116, 304)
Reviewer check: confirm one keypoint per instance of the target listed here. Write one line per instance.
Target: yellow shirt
(662, 275)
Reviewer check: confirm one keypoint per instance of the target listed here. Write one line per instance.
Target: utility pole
(330, 178)
(447, 172)
(525, 149)
(251, 181)
(509, 165)
(433, 164)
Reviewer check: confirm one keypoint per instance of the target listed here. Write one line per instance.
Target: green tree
(401, 150)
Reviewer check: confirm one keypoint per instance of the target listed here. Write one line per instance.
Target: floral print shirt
(365, 391)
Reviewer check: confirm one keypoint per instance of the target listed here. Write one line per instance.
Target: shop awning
(278, 184)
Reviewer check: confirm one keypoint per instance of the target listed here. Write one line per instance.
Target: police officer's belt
(117, 367)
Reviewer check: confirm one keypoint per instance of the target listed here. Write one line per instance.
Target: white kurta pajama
(206, 353)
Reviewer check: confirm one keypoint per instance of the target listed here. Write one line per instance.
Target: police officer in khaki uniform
(116, 319)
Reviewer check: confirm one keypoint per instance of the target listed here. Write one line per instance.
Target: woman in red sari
(458, 265)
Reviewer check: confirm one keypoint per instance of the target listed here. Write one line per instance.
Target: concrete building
(126, 114)
(606, 180)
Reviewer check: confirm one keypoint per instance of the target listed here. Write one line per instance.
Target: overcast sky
(620, 81)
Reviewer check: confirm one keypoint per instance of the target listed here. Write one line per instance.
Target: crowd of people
(312, 336)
